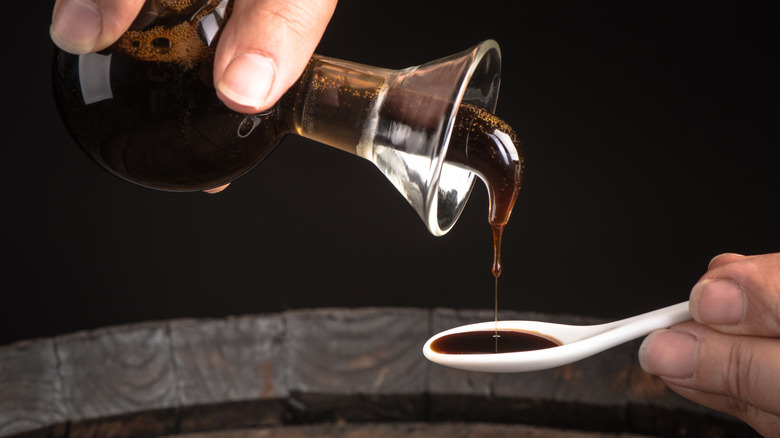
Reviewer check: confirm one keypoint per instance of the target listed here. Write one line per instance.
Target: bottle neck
(334, 103)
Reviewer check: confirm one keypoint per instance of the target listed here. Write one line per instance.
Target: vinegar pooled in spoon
(541, 345)
(486, 342)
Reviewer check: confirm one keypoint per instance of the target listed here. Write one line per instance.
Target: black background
(651, 143)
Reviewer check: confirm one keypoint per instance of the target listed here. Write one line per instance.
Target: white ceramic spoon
(577, 342)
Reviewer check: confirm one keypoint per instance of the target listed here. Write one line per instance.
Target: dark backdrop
(651, 140)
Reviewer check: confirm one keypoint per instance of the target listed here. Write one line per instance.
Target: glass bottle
(146, 110)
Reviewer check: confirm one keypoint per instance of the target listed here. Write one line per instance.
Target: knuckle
(761, 281)
(297, 18)
(739, 408)
(742, 371)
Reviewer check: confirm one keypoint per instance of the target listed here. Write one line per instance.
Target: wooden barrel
(323, 372)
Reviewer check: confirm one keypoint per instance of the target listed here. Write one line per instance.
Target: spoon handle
(640, 325)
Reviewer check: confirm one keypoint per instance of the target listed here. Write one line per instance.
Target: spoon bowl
(576, 342)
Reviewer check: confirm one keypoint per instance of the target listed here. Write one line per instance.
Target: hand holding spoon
(558, 344)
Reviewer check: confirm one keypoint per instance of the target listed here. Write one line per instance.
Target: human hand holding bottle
(728, 358)
(262, 50)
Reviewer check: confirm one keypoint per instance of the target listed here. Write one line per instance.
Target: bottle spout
(402, 121)
(412, 128)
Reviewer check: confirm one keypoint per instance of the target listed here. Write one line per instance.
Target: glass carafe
(146, 110)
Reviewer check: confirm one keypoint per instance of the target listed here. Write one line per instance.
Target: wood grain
(113, 373)
(357, 365)
(30, 389)
(369, 351)
(116, 371)
(231, 372)
(324, 366)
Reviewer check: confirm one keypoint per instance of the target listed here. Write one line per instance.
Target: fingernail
(670, 354)
(717, 302)
(248, 79)
(76, 26)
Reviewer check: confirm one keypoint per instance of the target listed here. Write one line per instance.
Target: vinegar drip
(489, 147)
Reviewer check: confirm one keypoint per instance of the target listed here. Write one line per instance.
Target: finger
(265, 48)
(695, 357)
(740, 295)
(216, 189)
(763, 422)
(723, 259)
(83, 26)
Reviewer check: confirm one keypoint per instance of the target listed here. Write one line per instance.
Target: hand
(262, 50)
(728, 358)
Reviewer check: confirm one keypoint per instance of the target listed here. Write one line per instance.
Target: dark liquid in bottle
(146, 109)
(486, 342)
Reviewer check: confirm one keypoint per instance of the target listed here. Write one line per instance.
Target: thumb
(83, 26)
(740, 295)
(264, 49)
